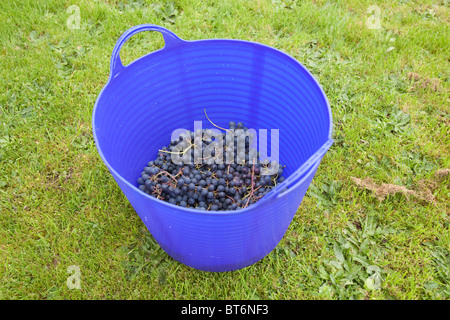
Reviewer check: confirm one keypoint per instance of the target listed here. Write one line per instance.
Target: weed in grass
(417, 163)
(383, 164)
(392, 121)
(327, 193)
(5, 141)
(315, 56)
(94, 28)
(69, 58)
(82, 142)
(130, 5)
(53, 293)
(285, 4)
(167, 12)
(439, 288)
(338, 134)
(354, 269)
(396, 83)
(144, 254)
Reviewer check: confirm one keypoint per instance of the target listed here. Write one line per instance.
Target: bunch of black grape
(212, 171)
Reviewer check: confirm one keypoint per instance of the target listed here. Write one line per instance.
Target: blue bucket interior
(232, 80)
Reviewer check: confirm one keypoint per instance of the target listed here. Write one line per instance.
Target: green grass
(60, 207)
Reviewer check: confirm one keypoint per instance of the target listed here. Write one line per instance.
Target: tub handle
(301, 181)
(291, 183)
(170, 40)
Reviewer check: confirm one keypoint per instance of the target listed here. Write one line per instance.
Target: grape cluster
(210, 185)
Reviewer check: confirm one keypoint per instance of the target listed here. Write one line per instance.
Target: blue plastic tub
(234, 80)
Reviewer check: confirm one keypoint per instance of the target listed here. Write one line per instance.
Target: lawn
(374, 224)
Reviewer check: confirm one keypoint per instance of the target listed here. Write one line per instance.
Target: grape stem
(185, 150)
(162, 171)
(253, 184)
(214, 123)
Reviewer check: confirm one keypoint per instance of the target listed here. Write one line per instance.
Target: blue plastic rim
(234, 80)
